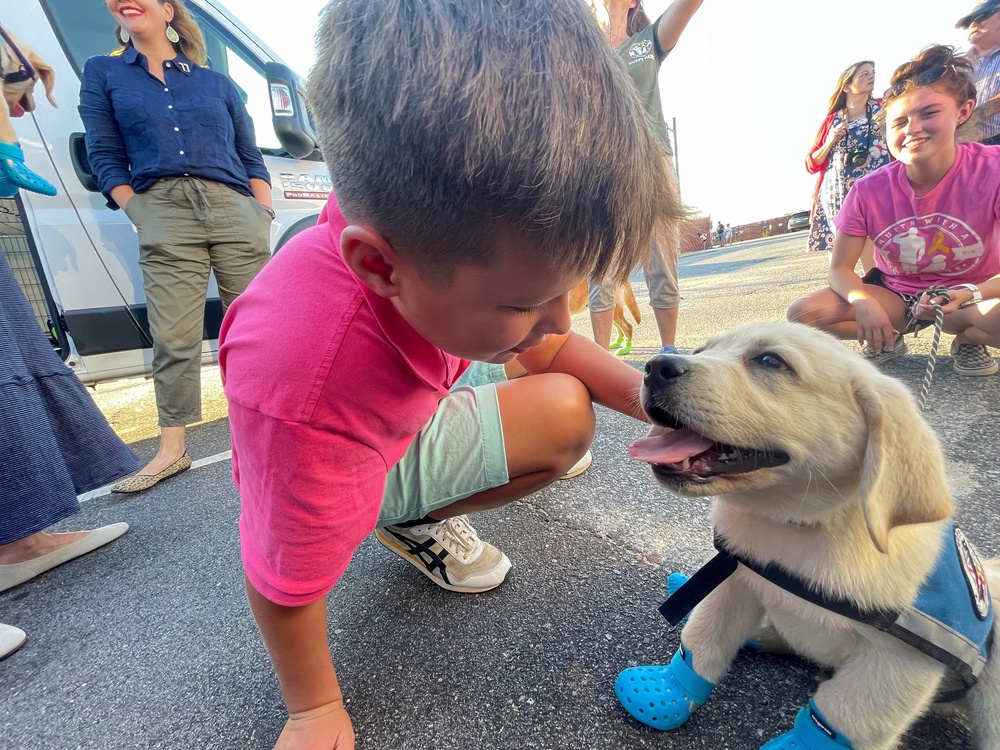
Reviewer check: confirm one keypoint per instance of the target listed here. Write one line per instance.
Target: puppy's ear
(48, 78)
(902, 476)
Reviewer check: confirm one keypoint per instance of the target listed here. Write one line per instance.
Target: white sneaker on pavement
(448, 552)
(580, 466)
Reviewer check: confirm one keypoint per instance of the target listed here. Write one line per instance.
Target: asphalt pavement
(149, 642)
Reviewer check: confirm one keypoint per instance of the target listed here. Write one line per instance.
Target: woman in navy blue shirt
(172, 145)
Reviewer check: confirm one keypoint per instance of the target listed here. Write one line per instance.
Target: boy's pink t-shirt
(946, 237)
(327, 386)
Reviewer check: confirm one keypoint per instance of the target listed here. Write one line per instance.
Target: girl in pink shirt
(933, 217)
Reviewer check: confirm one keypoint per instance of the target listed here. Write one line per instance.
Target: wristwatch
(977, 296)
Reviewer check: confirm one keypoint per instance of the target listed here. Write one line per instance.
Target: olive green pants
(188, 228)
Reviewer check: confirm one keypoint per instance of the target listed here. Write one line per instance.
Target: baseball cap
(986, 6)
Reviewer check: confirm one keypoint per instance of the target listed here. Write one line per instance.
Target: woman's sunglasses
(923, 78)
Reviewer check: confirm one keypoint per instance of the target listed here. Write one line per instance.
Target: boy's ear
(372, 259)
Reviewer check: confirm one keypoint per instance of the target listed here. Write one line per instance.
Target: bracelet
(977, 296)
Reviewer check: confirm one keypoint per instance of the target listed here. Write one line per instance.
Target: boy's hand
(325, 727)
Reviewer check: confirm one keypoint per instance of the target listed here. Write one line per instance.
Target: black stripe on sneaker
(418, 549)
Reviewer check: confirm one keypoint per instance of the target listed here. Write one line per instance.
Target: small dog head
(19, 95)
(785, 421)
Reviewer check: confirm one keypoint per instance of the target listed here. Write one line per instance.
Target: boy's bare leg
(548, 424)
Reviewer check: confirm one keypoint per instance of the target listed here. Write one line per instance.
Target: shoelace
(459, 538)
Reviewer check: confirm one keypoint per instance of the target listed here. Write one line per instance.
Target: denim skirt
(54, 442)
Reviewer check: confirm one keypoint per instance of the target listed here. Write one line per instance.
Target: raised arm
(673, 22)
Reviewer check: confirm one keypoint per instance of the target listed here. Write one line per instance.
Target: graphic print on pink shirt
(936, 243)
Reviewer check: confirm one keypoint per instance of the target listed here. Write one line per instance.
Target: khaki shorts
(458, 453)
(661, 280)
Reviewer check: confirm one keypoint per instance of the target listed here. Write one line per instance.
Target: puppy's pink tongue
(669, 448)
(16, 110)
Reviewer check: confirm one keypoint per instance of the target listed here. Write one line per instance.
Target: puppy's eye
(771, 361)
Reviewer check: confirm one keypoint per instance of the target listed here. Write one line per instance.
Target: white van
(77, 260)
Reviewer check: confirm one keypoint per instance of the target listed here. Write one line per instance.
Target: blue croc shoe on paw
(811, 732)
(663, 697)
(13, 172)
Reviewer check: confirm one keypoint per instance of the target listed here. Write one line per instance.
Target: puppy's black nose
(663, 368)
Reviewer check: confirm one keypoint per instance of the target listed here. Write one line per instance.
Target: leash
(944, 293)
(26, 71)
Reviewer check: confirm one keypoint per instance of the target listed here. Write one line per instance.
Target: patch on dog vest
(975, 574)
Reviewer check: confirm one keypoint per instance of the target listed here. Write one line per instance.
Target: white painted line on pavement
(106, 489)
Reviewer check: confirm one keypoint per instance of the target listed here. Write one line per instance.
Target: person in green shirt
(643, 46)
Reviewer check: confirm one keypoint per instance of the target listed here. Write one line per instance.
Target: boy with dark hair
(477, 155)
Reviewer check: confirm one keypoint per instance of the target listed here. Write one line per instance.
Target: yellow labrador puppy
(20, 68)
(18, 88)
(834, 526)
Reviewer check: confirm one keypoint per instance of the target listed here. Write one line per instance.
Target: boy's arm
(673, 22)
(611, 382)
(296, 640)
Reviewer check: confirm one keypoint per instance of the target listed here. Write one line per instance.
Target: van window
(86, 29)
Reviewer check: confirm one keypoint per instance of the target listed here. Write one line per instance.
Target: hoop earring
(172, 35)
(123, 35)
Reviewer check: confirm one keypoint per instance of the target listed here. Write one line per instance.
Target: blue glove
(14, 175)
(811, 732)
(663, 697)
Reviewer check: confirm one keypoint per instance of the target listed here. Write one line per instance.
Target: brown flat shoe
(141, 482)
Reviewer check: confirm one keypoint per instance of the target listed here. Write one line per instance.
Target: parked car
(798, 221)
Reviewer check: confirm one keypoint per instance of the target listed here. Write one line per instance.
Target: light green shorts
(458, 453)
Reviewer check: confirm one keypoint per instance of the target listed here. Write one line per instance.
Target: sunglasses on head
(923, 78)
(22, 74)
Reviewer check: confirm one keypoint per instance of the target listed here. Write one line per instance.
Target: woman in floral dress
(850, 144)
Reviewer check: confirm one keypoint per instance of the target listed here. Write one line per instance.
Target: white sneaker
(580, 466)
(11, 639)
(450, 553)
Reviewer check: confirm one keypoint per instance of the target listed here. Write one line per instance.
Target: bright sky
(748, 83)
